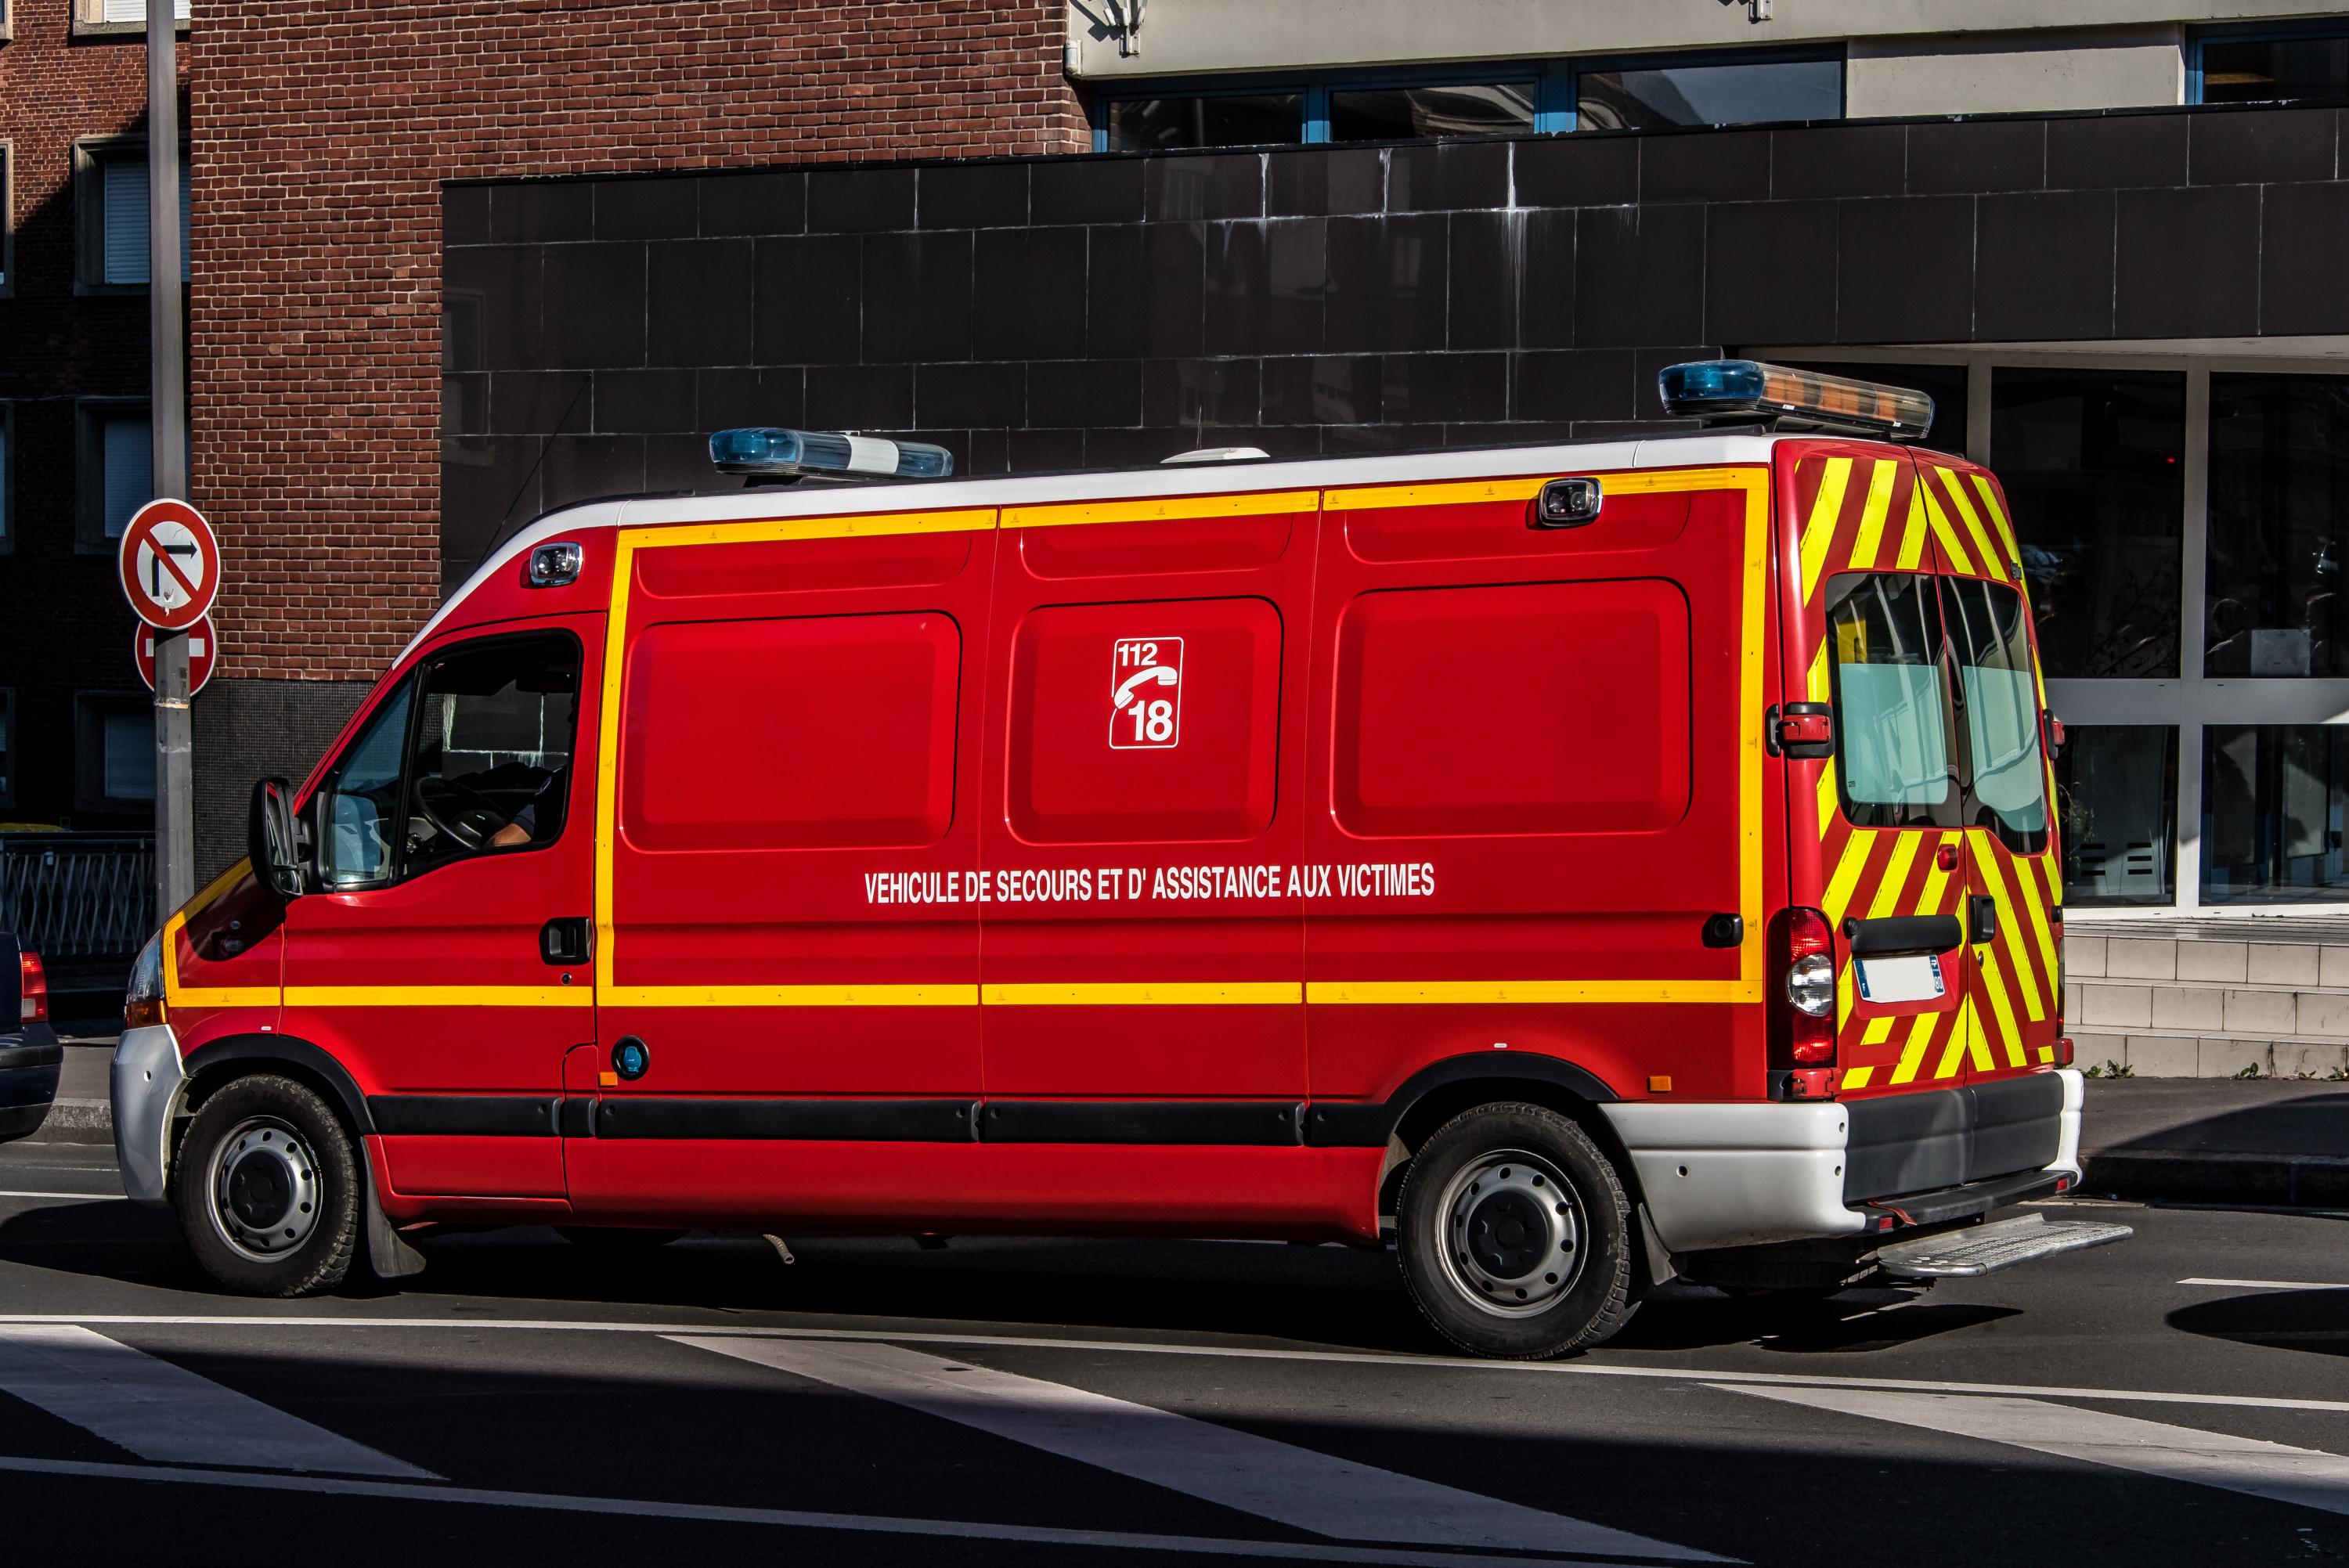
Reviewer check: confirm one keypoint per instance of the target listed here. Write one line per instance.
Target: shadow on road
(2309, 1320)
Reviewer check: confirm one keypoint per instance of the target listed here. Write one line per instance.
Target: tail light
(1808, 990)
(33, 988)
(142, 1005)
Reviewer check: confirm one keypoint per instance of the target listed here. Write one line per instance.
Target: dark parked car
(29, 1053)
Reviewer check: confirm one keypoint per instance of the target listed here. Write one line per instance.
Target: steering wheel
(467, 816)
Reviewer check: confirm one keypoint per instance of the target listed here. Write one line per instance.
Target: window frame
(2257, 33)
(89, 22)
(90, 709)
(415, 680)
(1554, 81)
(90, 415)
(91, 156)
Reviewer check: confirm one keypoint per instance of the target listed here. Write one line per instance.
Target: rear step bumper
(1749, 1174)
(1986, 1249)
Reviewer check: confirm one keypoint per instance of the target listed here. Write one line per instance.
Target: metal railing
(79, 898)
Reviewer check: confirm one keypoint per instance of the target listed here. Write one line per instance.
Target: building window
(2093, 464)
(114, 473)
(7, 478)
(2274, 799)
(110, 207)
(1725, 93)
(1433, 102)
(104, 18)
(114, 745)
(2116, 788)
(2270, 65)
(2279, 513)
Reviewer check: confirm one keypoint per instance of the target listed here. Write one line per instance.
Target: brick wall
(64, 627)
(321, 134)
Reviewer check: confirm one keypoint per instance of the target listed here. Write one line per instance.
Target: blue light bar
(1745, 389)
(792, 453)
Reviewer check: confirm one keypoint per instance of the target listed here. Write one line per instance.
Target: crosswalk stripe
(162, 1411)
(1297, 1487)
(787, 1518)
(2308, 1476)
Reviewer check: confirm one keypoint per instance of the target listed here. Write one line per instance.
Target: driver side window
(472, 757)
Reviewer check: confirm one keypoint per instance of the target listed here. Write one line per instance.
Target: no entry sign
(170, 565)
(203, 653)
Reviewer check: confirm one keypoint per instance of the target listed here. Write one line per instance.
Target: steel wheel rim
(1512, 1234)
(265, 1192)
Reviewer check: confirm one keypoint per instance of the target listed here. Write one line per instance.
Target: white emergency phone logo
(1145, 692)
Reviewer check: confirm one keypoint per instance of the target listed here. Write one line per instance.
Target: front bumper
(1749, 1174)
(28, 1085)
(144, 1083)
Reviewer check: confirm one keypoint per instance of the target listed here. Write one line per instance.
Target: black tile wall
(1056, 313)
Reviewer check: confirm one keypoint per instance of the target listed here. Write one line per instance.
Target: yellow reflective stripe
(2009, 929)
(1843, 994)
(1260, 504)
(1879, 1030)
(770, 530)
(1912, 532)
(2047, 1055)
(1997, 515)
(2010, 1037)
(1953, 1055)
(1912, 1052)
(1847, 874)
(217, 886)
(1819, 532)
(1896, 875)
(1929, 896)
(1464, 493)
(2026, 876)
(1412, 992)
(1146, 994)
(1819, 689)
(1977, 1036)
(439, 996)
(1992, 563)
(1880, 482)
(792, 997)
(224, 997)
(1829, 805)
(1857, 1078)
(1959, 561)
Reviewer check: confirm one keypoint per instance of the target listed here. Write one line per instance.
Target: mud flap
(389, 1254)
(1656, 1262)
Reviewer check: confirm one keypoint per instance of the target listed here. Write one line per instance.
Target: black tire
(1492, 1203)
(616, 1238)
(267, 1165)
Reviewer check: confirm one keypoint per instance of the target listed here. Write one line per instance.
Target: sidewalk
(2196, 1141)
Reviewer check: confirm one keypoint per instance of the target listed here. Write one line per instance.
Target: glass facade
(2093, 464)
(2116, 793)
(1751, 92)
(2272, 810)
(1225, 120)
(2265, 70)
(2279, 526)
(1397, 113)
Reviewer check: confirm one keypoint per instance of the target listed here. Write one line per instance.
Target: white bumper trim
(2067, 1143)
(145, 1081)
(1738, 1175)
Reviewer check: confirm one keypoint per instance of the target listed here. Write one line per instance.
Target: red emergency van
(1581, 864)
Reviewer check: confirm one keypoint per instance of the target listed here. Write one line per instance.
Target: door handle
(564, 941)
(1982, 918)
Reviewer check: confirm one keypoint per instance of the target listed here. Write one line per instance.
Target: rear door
(2013, 910)
(1885, 811)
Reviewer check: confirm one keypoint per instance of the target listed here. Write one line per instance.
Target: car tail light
(1806, 990)
(142, 1003)
(33, 988)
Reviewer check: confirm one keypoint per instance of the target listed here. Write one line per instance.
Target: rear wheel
(1515, 1234)
(267, 1189)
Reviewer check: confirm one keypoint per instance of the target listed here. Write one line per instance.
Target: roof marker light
(1741, 390)
(765, 452)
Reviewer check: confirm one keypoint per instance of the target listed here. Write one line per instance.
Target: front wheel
(267, 1189)
(1515, 1234)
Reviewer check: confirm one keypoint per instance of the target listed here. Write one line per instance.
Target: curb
(78, 1121)
(2272, 1181)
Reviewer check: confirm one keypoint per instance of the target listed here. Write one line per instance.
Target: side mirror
(270, 840)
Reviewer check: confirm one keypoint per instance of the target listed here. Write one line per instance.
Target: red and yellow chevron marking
(1856, 515)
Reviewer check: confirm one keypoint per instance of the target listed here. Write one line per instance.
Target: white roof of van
(1182, 478)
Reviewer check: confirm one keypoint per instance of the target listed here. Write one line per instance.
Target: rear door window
(1998, 694)
(1896, 734)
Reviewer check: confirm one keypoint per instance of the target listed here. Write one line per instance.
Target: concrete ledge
(2284, 1181)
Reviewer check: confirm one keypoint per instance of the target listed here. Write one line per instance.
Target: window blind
(123, 200)
(126, 456)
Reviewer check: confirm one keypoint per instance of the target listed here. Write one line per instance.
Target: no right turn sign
(170, 565)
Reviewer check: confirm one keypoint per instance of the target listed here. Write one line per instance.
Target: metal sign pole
(175, 798)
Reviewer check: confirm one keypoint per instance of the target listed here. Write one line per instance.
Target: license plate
(1911, 977)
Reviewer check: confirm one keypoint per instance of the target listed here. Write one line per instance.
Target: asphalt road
(2180, 1397)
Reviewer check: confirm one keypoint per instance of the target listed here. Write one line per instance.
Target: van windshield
(1895, 737)
(1992, 648)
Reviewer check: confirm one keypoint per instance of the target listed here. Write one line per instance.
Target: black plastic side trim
(464, 1115)
(836, 1121)
(575, 1116)
(1903, 933)
(1259, 1122)
(13, 1057)
(1972, 1198)
(284, 1048)
(1368, 1124)
(1935, 1139)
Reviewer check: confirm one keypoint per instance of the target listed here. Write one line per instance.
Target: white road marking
(793, 1519)
(1214, 1352)
(2266, 1283)
(1288, 1485)
(162, 1411)
(2275, 1471)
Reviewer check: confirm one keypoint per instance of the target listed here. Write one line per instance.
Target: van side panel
(1535, 778)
